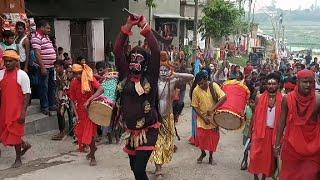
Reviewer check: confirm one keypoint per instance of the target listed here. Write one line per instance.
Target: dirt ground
(49, 160)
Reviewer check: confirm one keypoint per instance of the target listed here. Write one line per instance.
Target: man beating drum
(206, 98)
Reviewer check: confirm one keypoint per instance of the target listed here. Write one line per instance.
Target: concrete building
(187, 8)
(83, 27)
(165, 17)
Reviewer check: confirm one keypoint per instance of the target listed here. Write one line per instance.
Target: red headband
(305, 74)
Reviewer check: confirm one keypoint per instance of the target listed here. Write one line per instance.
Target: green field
(299, 33)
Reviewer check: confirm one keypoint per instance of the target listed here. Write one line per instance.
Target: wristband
(145, 30)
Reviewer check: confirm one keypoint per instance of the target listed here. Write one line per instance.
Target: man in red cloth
(82, 87)
(15, 95)
(301, 140)
(266, 117)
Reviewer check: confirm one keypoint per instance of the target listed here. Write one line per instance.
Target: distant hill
(302, 27)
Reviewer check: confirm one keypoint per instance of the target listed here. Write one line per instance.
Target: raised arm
(185, 77)
(120, 57)
(154, 66)
(119, 48)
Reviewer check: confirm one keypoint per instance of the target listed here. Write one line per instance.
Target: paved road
(49, 160)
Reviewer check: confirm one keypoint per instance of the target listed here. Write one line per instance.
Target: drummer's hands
(86, 104)
(207, 120)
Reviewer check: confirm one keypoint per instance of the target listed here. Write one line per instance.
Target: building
(84, 27)
(187, 8)
(165, 18)
(81, 27)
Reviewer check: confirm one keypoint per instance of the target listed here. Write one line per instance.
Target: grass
(241, 60)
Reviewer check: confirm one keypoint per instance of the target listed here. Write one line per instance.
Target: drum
(230, 115)
(101, 108)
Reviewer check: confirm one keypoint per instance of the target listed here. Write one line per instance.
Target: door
(79, 39)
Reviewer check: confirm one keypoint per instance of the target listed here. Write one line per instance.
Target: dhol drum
(230, 115)
(101, 108)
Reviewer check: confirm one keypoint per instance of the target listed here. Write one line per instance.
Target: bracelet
(145, 26)
(277, 147)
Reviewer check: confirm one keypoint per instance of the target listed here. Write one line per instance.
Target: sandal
(58, 137)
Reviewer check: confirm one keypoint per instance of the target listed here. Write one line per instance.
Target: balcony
(191, 2)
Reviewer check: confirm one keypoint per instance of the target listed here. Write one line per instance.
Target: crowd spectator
(8, 41)
(23, 44)
(45, 58)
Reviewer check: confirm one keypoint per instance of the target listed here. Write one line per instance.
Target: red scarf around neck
(302, 106)
(260, 116)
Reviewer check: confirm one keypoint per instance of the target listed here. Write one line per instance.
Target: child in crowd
(63, 102)
(67, 60)
(8, 41)
(246, 131)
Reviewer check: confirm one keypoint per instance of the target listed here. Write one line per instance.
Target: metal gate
(79, 39)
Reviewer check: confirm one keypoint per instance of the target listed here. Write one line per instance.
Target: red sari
(301, 146)
(262, 160)
(85, 129)
(12, 99)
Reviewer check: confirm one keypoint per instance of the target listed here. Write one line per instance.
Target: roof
(170, 16)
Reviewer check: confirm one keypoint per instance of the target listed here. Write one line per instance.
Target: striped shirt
(43, 43)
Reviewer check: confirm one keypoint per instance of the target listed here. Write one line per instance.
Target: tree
(151, 4)
(221, 18)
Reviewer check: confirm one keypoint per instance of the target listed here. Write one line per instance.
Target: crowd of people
(282, 111)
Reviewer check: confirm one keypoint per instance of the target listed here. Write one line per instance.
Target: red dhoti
(295, 167)
(262, 160)
(12, 99)
(85, 130)
(207, 139)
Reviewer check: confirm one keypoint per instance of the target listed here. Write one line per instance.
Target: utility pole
(283, 34)
(249, 25)
(195, 29)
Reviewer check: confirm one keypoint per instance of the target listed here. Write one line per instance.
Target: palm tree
(151, 4)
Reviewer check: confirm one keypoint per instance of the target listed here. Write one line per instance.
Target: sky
(287, 4)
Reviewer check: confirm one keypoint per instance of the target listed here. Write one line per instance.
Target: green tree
(151, 4)
(221, 18)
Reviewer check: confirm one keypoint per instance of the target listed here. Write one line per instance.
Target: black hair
(21, 24)
(79, 59)
(58, 63)
(100, 65)
(65, 54)
(7, 34)
(274, 75)
(42, 23)
(60, 49)
(200, 76)
(240, 77)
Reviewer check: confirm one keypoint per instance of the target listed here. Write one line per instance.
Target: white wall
(62, 33)
(97, 35)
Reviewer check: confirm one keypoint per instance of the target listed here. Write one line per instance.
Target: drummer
(82, 88)
(205, 103)
(102, 71)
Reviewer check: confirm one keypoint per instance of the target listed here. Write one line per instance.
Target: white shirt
(22, 51)
(22, 79)
(271, 115)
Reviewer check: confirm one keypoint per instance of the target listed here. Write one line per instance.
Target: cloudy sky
(287, 4)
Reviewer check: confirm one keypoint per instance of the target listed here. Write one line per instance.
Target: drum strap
(213, 93)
